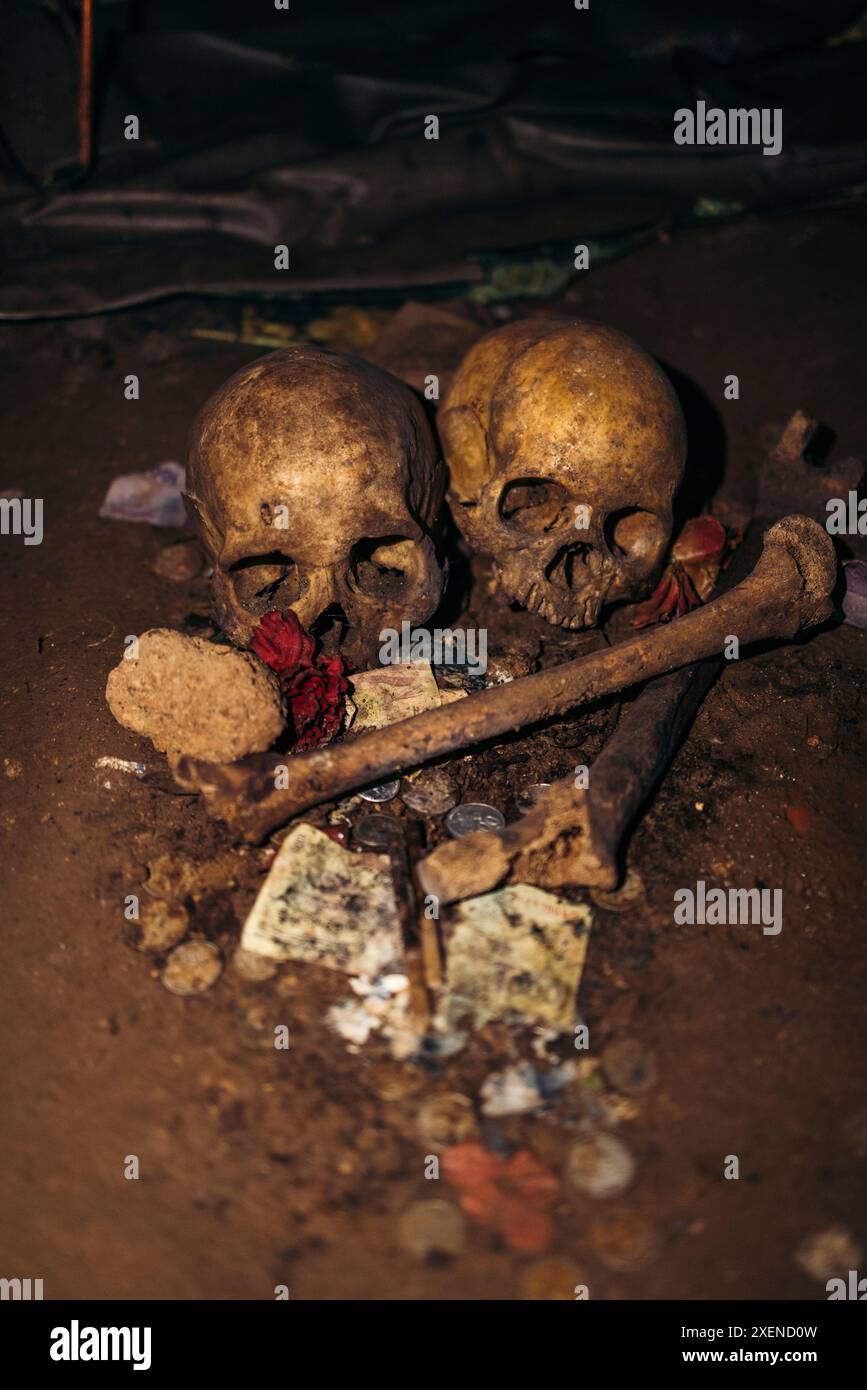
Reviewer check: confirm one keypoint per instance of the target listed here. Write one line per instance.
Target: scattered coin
(473, 815)
(629, 1066)
(600, 1165)
(431, 794)
(386, 791)
(550, 1280)
(375, 832)
(192, 968)
(252, 966)
(626, 1241)
(432, 1227)
(446, 1119)
(829, 1254)
(160, 926)
(528, 796)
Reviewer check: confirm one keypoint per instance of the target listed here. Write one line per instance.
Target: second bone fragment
(788, 590)
(572, 836)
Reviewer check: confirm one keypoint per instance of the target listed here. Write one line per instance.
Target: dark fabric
(307, 128)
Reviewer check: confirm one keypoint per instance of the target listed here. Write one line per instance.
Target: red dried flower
(314, 686)
(509, 1195)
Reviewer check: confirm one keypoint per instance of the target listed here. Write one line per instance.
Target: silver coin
(473, 815)
(376, 832)
(386, 791)
(432, 794)
(528, 796)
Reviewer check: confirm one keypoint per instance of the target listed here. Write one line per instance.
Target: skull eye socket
(534, 505)
(382, 567)
(635, 533)
(263, 582)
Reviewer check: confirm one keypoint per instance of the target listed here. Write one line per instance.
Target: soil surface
(262, 1167)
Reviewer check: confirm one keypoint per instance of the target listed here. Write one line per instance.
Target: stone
(190, 696)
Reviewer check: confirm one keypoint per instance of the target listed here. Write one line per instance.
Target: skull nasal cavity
(532, 504)
(569, 566)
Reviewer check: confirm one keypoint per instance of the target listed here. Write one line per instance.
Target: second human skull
(314, 483)
(565, 444)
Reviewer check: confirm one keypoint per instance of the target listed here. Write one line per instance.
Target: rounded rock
(190, 696)
(192, 968)
(160, 926)
(432, 1227)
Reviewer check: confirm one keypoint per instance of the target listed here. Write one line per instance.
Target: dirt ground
(262, 1167)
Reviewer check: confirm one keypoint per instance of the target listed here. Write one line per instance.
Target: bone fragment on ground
(788, 590)
(199, 698)
(516, 955)
(573, 834)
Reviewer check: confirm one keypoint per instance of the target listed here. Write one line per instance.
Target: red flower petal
(523, 1227)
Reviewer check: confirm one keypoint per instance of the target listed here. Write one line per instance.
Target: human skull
(565, 444)
(314, 482)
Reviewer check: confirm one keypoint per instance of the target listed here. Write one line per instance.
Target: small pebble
(799, 818)
(192, 968)
(600, 1165)
(160, 926)
(13, 767)
(432, 1227)
(626, 1241)
(179, 562)
(446, 1119)
(829, 1254)
(629, 1066)
(252, 966)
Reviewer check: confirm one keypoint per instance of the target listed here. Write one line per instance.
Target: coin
(630, 1066)
(528, 796)
(431, 794)
(473, 815)
(386, 791)
(446, 1119)
(601, 1165)
(432, 1227)
(375, 832)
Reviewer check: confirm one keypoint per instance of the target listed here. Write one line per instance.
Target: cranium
(314, 482)
(565, 444)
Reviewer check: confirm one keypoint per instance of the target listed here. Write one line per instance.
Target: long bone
(788, 590)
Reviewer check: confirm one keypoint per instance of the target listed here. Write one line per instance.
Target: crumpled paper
(328, 906)
(516, 955)
(154, 496)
